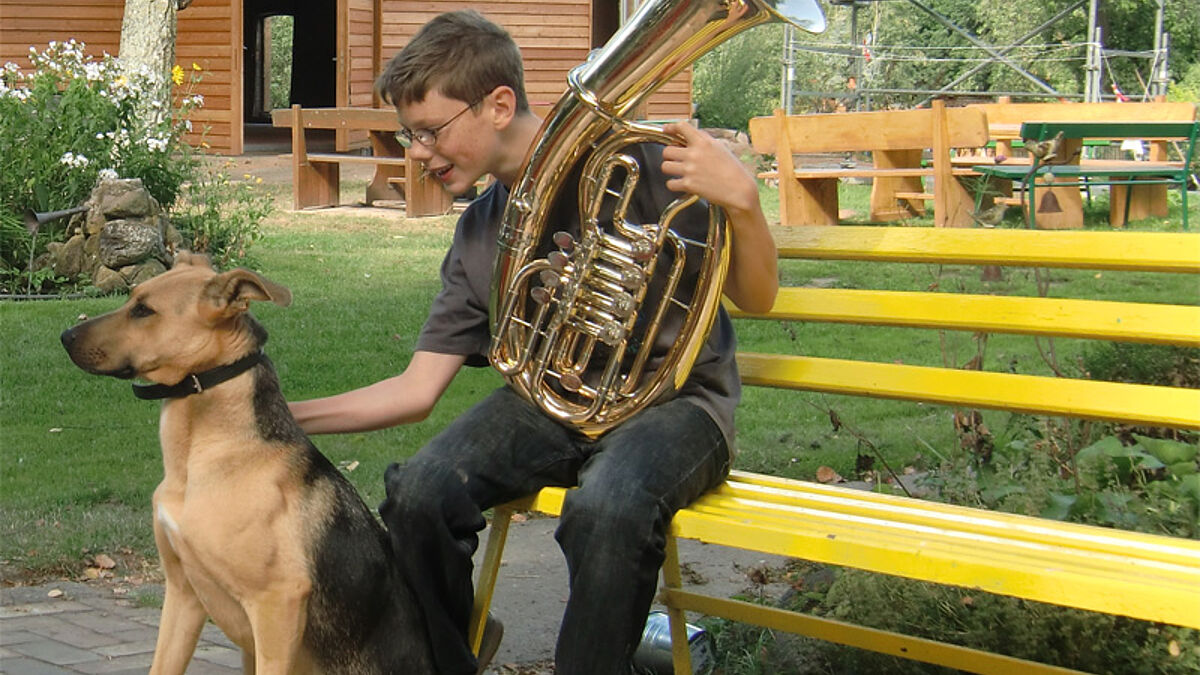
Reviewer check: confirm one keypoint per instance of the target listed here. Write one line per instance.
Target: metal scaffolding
(859, 96)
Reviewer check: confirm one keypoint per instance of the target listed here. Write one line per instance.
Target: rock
(68, 261)
(125, 242)
(91, 256)
(136, 274)
(93, 223)
(109, 280)
(124, 198)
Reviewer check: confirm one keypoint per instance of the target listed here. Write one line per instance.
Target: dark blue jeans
(613, 528)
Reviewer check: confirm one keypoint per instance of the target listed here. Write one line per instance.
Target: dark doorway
(310, 53)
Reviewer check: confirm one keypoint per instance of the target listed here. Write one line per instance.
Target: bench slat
(1146, 251)
(1094, 319)
(1047, 561)
(1090, 399)
(840, 632)
(338, 158)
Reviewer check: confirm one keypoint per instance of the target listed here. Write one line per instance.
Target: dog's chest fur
(248, 503)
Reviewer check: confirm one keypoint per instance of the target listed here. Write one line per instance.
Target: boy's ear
(503, 105)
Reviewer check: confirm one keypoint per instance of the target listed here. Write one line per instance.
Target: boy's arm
(703, 166)
(407, 397)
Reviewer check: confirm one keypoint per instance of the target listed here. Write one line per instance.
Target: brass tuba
(572, 330)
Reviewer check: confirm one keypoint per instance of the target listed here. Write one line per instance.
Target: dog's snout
(68, 337)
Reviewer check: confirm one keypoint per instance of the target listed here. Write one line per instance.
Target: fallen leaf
(826, 474)
(104, 562)
(352, 465)
(1173, 648)
(56, 593)
(519, 517)
(92, 573)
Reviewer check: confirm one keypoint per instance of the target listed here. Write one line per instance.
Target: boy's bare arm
(407, 397)
(703, 166)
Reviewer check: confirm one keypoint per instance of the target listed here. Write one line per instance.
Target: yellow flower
(196, 67)
(177, 75)
(121, 81)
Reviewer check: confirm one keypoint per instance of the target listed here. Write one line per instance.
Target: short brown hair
(462, 54)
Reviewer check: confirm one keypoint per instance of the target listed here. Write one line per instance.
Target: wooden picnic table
(1137, 188)
(315, 176)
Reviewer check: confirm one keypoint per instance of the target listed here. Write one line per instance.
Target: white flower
(108, 174)
(72, 160)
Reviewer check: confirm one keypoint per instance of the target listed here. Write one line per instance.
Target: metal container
(653, 654)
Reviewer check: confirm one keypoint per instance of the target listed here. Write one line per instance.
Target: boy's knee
(610, 516)
(414, 493)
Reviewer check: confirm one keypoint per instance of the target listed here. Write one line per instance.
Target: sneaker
(493, 631)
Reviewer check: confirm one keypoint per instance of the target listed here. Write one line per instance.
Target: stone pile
(122, 239)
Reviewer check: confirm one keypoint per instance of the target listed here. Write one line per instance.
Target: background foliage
(912, 50)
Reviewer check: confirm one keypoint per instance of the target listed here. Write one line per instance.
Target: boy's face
(462, 139)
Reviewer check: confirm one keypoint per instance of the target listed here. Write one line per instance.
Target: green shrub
(1144, 364)
(69, 119)
(222, 217)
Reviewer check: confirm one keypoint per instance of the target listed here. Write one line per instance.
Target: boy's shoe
(493, 631)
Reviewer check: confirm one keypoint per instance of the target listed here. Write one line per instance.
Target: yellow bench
(1149, 577)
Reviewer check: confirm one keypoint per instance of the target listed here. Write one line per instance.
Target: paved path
(69, 627)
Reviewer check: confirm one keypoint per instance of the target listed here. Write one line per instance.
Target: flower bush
(73, 116)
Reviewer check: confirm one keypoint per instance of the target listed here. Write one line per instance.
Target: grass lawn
(80, 454)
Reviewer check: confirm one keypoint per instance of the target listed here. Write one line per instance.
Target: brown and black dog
(255, 527)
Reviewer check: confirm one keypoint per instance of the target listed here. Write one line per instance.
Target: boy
(459, 92)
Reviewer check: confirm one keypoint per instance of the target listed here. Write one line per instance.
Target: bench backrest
(1005, 119)
(866, 131)
(1174, 321)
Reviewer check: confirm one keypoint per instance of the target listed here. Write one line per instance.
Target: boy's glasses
(428, 137)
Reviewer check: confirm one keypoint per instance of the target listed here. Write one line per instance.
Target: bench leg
(681, 651)
(810, 201)
(1135, 202)
(424, 195)
(485, 587)
(315, 184)
(884, 204)
(1070, 201)
(382, 187)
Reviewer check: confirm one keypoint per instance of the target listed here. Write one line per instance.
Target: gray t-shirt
(458, 321)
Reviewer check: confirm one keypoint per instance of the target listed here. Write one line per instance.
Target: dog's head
(186, 320)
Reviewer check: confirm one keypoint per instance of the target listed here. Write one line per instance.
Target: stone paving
(72, 627)
(107, 627)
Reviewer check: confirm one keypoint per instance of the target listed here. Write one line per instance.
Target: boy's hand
(705, 167)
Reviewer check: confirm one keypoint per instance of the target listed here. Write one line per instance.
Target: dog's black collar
(198, 382)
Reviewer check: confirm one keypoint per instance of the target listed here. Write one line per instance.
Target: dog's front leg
(182, 615)
(278, 619)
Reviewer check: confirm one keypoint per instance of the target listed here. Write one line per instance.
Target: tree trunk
(148, 42)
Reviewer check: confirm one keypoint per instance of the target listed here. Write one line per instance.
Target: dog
(254, 526)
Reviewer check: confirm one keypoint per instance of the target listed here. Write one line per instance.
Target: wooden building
(339, 47)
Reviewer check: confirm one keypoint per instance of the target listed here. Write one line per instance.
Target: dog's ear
(231, 292)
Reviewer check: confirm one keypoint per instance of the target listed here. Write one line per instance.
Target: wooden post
(952, 204)
(808, 202)
(312, 184)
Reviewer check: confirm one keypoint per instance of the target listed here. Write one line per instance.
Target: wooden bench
(1148, 199)
(1065, 179)
(316, 176)
(897, 141)
(1149, 577)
